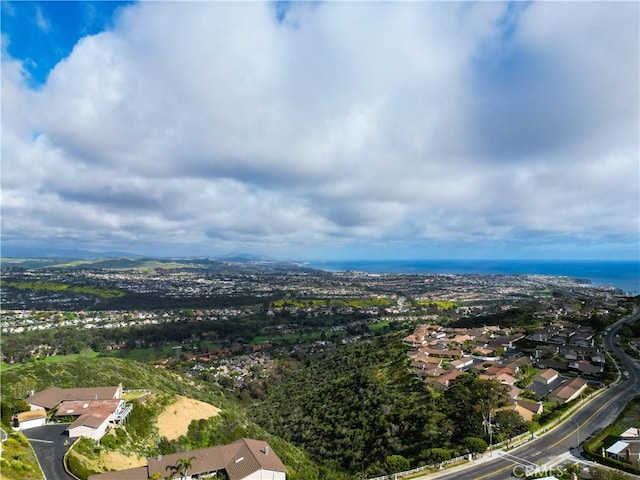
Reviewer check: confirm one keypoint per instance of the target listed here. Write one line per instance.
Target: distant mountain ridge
(237, 261)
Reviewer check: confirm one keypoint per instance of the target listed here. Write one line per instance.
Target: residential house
(526, 409)
(93, 416)
(505, 341)
(94, 407)
(462, 363)
(245, 459)
(443, 381)
(568, 391)
(54, 396)
(586, 367)
(517, 363)
(546, 377)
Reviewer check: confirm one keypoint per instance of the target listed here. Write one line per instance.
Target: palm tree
(183, 465)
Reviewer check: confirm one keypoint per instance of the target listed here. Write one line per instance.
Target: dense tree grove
(358, 409)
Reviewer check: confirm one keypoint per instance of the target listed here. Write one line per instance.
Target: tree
(471, 403)
(436, 455)
(475, 444)
(183, 465)
(396, 463)
(510, 423)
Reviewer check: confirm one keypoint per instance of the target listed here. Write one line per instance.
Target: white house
(92, 424)
(94, 407)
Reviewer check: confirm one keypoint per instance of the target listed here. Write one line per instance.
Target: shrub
(78, 467)
(475, 444)
(436, 455)
(396, 463)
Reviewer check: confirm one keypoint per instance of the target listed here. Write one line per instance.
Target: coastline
(621, 274)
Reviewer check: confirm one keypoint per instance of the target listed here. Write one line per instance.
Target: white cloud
(43, 22)
(211, 123)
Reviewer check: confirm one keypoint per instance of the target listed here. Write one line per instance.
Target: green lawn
(141, 354)
(52, 359)
(374, 327)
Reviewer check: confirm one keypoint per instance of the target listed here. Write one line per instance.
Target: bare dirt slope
(119, 461)
(175, 419)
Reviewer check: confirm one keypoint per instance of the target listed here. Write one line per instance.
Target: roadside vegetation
(18, 461)
(593, 447)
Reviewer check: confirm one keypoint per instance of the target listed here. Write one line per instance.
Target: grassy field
(374, 327)
(438, 303)
(141, 354)
(4, 366)
(42, 285)
(332, 302)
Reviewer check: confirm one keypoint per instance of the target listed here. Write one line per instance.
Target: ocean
(624, 275)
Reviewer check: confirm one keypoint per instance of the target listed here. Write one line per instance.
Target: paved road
(50, 444)
(558, 443)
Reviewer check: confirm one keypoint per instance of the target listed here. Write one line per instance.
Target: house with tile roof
(244, 459)
(92, 409)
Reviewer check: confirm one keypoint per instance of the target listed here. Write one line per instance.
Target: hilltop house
(245, 459)
(92, 409)
(54, 396)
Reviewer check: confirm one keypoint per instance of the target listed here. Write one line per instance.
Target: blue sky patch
(40, 34)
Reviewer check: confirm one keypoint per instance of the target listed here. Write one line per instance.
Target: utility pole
(577, 430)
(487, 424)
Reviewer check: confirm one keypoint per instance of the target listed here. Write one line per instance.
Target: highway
(560, 443)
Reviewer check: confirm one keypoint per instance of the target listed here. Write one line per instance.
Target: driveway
(50, 444)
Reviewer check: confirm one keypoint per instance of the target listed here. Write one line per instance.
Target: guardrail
(439, 465)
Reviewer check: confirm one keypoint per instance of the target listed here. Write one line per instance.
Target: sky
(322, 130)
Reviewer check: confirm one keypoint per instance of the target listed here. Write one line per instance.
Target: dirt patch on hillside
(175, 419)
(119, 461)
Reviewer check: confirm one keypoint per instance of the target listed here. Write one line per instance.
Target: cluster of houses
(440, 355)
(567, 347)
(90, 410)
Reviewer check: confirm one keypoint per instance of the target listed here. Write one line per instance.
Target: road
(50, 444)
(545, 451)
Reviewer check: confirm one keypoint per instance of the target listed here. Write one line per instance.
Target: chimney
(266, 449)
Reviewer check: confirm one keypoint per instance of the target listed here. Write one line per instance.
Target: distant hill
(221, 264)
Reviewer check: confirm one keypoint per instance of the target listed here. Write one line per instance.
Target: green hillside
(232, 424)
(359, 409)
